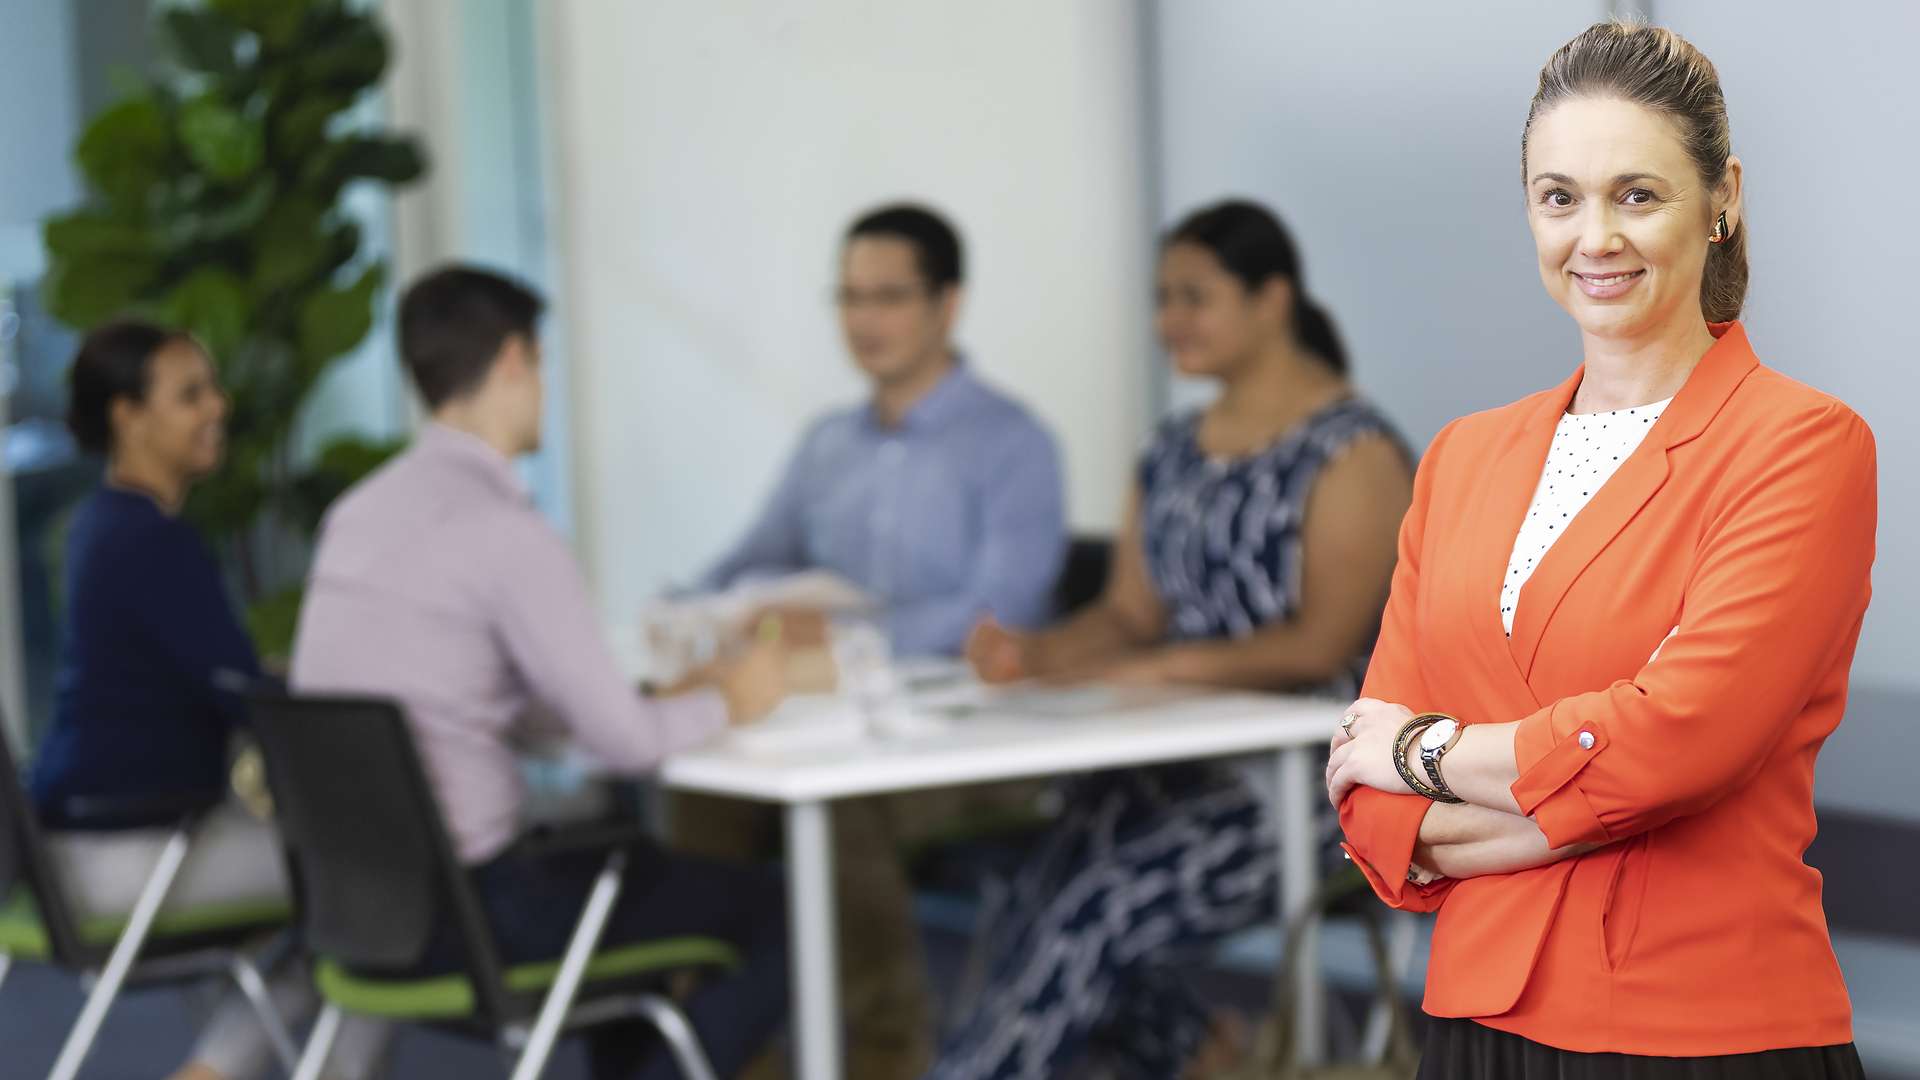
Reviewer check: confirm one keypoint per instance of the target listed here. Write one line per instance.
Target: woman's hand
(1362, 755)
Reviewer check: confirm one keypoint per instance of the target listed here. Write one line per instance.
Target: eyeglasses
(886, 297)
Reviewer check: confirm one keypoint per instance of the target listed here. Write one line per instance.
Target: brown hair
(1657, 69)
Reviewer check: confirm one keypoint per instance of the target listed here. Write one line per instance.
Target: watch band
(1408, 733)
(1431, 758)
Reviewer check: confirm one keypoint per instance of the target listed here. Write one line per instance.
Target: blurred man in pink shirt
(438, 584)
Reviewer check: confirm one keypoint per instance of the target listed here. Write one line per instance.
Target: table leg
(810, 915)
(1299, 877)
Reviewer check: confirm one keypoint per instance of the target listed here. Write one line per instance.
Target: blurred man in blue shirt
(939, 495)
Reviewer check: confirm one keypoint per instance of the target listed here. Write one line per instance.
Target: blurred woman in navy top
(154, 658)
(153, 668)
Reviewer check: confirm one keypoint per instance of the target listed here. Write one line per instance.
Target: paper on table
(812, 590)
(676, 633)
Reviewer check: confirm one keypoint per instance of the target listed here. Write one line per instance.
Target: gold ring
(1346, 724)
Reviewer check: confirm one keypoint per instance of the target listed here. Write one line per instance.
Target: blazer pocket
(1626, 894)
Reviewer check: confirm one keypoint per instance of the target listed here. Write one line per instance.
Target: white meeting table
(1005, 742)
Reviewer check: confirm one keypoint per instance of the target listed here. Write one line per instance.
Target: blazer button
(1586, 740)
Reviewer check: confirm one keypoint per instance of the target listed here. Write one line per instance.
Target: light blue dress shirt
(954, 514)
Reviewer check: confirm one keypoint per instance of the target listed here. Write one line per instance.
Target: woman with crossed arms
(1619, 631)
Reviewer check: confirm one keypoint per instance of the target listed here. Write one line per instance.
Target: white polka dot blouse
(1585, 452)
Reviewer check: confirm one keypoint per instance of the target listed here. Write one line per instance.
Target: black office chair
(375, 875)
(145, 947)
(1084, 574)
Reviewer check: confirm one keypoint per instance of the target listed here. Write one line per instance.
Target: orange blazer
(1697, 619)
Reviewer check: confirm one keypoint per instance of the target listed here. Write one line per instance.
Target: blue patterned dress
(1148, 868)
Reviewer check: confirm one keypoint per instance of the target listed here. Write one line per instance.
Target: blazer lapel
(1505, 493)
(1642, 475)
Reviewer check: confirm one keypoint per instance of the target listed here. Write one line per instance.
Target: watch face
(1436, 736)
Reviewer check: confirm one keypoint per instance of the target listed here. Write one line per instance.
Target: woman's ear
(1729, 195)
(1275, 299)
(123, 415)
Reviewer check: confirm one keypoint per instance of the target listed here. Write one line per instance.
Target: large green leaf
(334, 320)
(221, 139)
(397, 161)
(86, 290)
(125, 151)
(204, 40)
(332, 165)
(299, 127)
(86, 233)
(276, 21)
(349, 59)
(212, 304)
(203, 218)
(291, 242)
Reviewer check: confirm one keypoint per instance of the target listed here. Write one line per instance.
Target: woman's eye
(1556, 199)
(1638, 197)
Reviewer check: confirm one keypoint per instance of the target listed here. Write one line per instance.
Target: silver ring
(1346, 724)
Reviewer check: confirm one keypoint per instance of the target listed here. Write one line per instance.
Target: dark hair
(114, 361)
(453, 323)
(1253, 246)
(1657, 69)
(936, 246)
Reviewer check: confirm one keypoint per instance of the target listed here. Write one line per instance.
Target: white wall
(711, 154)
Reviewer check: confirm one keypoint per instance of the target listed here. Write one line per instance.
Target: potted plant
(216, 206)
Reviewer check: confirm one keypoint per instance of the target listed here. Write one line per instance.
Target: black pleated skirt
(1464, 1050)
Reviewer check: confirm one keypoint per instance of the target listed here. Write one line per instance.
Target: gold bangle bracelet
(1410, 731)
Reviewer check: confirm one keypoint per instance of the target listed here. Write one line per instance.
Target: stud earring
(1720, 230)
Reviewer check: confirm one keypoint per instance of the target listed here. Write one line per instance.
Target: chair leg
(319, 1044)
(674, 1026)
(573, 968)
(80, 1040)
(6, 963)
(1403, 930)
(247, 977)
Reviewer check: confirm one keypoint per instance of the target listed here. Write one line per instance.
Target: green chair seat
(22, 934)
(449, 997)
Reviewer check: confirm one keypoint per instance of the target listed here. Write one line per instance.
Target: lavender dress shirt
(439, 585)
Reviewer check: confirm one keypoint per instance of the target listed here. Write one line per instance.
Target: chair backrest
(24, 863)
(1084, 574)
(373, 871)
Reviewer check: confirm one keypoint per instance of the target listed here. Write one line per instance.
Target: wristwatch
(1440, 737)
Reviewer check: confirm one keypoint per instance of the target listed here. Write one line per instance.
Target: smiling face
(1621, 216)
(179, 424)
